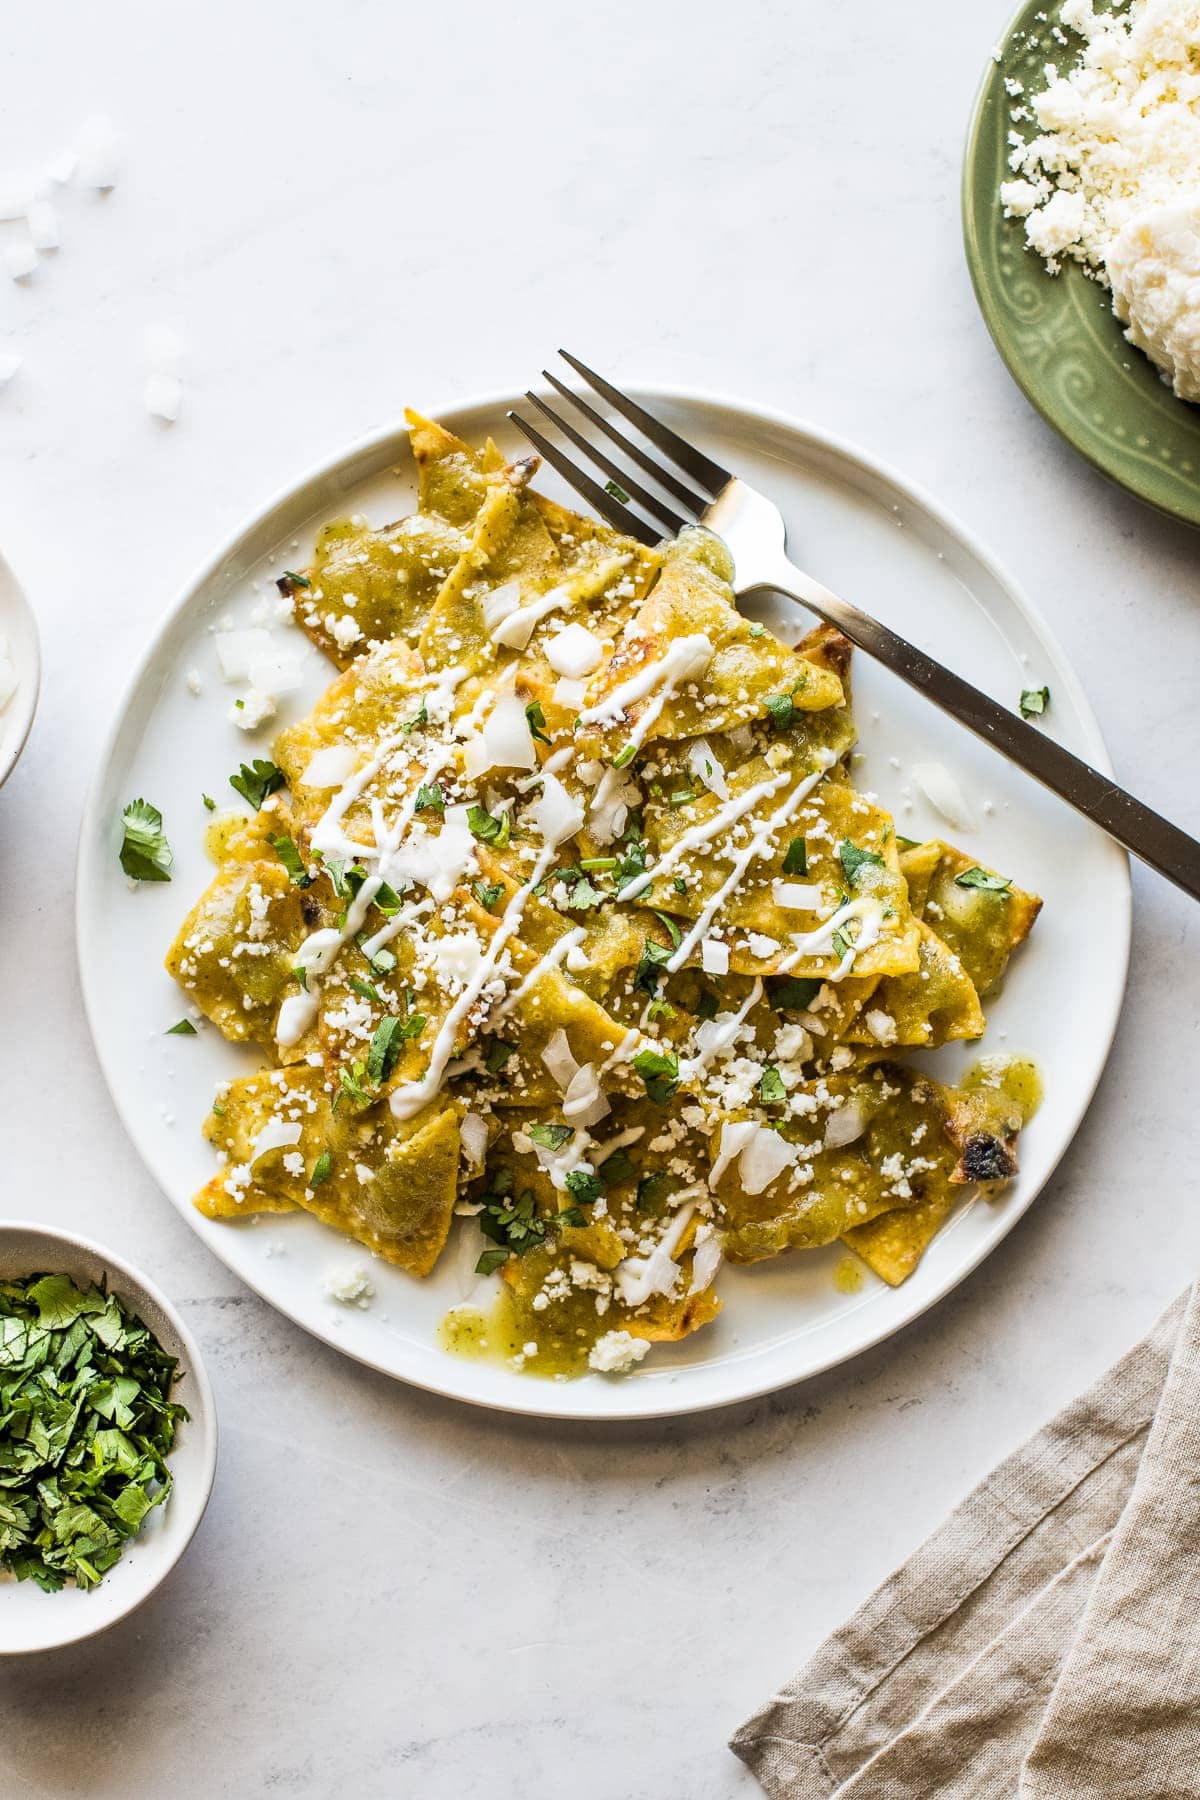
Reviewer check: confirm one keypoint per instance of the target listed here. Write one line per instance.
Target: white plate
(31, 1620)
(868, 535)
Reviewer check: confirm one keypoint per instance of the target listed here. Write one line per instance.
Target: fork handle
(1147, 834)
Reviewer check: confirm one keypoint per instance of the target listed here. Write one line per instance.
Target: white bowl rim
(376, 441)
(202, 1414)
(24, 704)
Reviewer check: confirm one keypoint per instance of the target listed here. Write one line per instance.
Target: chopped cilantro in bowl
(86, 1425)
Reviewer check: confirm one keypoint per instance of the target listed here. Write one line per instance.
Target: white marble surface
(342, 209)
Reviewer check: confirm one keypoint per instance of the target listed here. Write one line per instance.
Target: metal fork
(752, 528)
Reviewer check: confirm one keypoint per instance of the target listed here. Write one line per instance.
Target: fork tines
(612, 499)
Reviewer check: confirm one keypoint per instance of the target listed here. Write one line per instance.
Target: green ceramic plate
(1057, 333)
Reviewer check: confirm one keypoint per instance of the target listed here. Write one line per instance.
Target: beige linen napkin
(1044, 1643)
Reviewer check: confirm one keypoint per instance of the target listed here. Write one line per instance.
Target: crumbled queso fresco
(1105, 164)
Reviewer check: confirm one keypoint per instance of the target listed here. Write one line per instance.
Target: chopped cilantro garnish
(352, 1084)
(649, 970)
(386, 899)
(210, 804)
(285, 849)
(853, 858)
(617, 1166)
(184, 1028)
(583, 1186)
(498, 1054)
(617, 491)
(488, 827)
(366, 990)
(346, 878)
(419, 718)
(430, 797)
(598, 864)
(788, 991)
(659, 1071)
(487, 893)
(145, 852)
(290, 580)
(513, 1223)
(631, 865)
(490, 1261)
(254, 781)
(796, 860)
(321, 1170)
(536, 720)
(679, 885)
(770, 1086)
(681, 797)
(906, 843)
(983, 878)
(708, 1006)
(86, 1425)
(551, 1137)
(669, 926)
(841, 944)
(570, 1215)
(387, 1040)
(650, 1189)
(1034, 702)
(781, 710)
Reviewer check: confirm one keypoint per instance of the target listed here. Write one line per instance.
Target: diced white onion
(276, 1134)
(163, 395)
(707, 768)
(574, 651)
(735, 1135)
(499, 604)
(714, 956)
(473, 1134)
(504, 742)
(764, 1159)
(799, 896)
(944, 794)
(569, 693)
(330, 767)
(21, 259)
(43, 225)
(705, 1263)
(584, 1103)
(761, 945)
(98, 155)
(237, 650)
(16, 193)
(277, 672)
(559, 1059)
(844, 1126)
(555, 813)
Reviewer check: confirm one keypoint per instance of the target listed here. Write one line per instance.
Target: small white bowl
(17, 625)
(32, 1620)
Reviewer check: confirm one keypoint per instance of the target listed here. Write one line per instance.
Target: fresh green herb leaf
(708, 1005)
(551, 1137)
(781, 710)
(583, 1186)
(513, 1223)
(184, 1028)
(598, 864)
(770, 1086)
(352, 1085)
(841, 944)
(631, 865)
(366, 990)
(498, 1054)
(145, 852)
(582, 893)
(649, 970)
(681, 797)
(86, 1425)
(650, 1189)
(905, 843)
(617, 491)
(487, 893)
(853, 858)
(322, 1169)
(669, 926)
(489, 828)
(254, 781)
(983, 878)
(285, 849)
(786, 992)
(430, 797)
(1034, 702)
(624, 757)
(387, 900)
(419, 719)
(796, 860)
(490, 1261)
(617, 1166)
(570, 1215)
(290, 580)
(209, 803)
(536, 719)
(384, 1049)
(679, 885)
(659, 1071)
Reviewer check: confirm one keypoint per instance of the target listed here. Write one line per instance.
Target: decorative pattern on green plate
(1057, 333)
